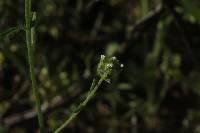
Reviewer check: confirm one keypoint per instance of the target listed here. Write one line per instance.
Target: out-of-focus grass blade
(10, 31)
(144, 7)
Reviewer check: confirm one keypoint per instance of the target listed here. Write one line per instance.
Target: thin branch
(151, 16)
(181, 30)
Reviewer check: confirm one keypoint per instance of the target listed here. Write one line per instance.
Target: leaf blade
(10, 31)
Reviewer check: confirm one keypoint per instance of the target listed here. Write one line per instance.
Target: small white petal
(110, 65)
(122, 65)
(114, 58)
(102, 56)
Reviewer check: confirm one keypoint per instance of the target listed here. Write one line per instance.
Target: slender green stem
(29, 34)
(82, 105)
(144, 6)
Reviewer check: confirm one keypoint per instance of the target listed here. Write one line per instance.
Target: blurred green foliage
(158, 91)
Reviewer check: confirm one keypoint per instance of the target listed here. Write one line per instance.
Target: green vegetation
(54, 46)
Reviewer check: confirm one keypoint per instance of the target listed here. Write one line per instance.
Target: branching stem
(29, 34)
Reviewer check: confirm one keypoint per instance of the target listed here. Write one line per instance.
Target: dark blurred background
(158, 41)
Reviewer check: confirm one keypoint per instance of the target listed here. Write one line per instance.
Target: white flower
(107, 67)
(102, 56)
(113, 58)
(110, 65)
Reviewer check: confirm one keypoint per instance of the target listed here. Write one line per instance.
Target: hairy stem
(82, 105)
(29, 34)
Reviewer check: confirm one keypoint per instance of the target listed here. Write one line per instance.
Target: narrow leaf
(10, 31)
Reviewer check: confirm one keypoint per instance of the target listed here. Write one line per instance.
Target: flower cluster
(107, 66)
